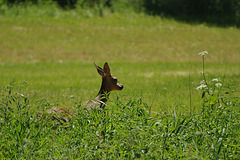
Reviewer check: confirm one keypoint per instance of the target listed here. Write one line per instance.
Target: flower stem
(203, 74)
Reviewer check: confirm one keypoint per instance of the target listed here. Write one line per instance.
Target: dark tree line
(215, 11)
(63, 3)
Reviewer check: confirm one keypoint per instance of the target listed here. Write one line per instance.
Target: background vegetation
(46, 59)
(220, 12)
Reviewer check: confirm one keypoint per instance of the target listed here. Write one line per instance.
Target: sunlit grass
(126, 129)
(126, 38)
(165, 85)
(159, 114)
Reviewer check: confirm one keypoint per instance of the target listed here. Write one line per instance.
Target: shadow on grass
(218, 21)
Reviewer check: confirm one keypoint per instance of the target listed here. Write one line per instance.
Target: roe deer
(109, 83)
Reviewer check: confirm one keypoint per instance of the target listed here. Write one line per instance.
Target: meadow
(46, 60)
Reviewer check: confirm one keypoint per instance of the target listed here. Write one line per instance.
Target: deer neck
(102, 96)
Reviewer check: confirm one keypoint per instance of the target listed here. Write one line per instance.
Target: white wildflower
(203, 53)
(216, 80)
(202, 82)
(202, 86)
(218, 85)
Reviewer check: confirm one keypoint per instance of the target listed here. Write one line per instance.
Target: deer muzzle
(120, 86)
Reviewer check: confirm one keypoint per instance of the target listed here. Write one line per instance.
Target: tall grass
(125, 130)
(151, 119)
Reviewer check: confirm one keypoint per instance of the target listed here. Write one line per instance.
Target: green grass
(158, 115)
(163, 84)
(65, 36)
(125, 130)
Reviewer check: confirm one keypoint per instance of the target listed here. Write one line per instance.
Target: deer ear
(106, 69)
(100, 70)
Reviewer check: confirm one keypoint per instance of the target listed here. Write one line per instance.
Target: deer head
(109, 83)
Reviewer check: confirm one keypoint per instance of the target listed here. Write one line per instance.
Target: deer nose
(121, 87)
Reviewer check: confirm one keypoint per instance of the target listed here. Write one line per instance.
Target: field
(46, 60)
